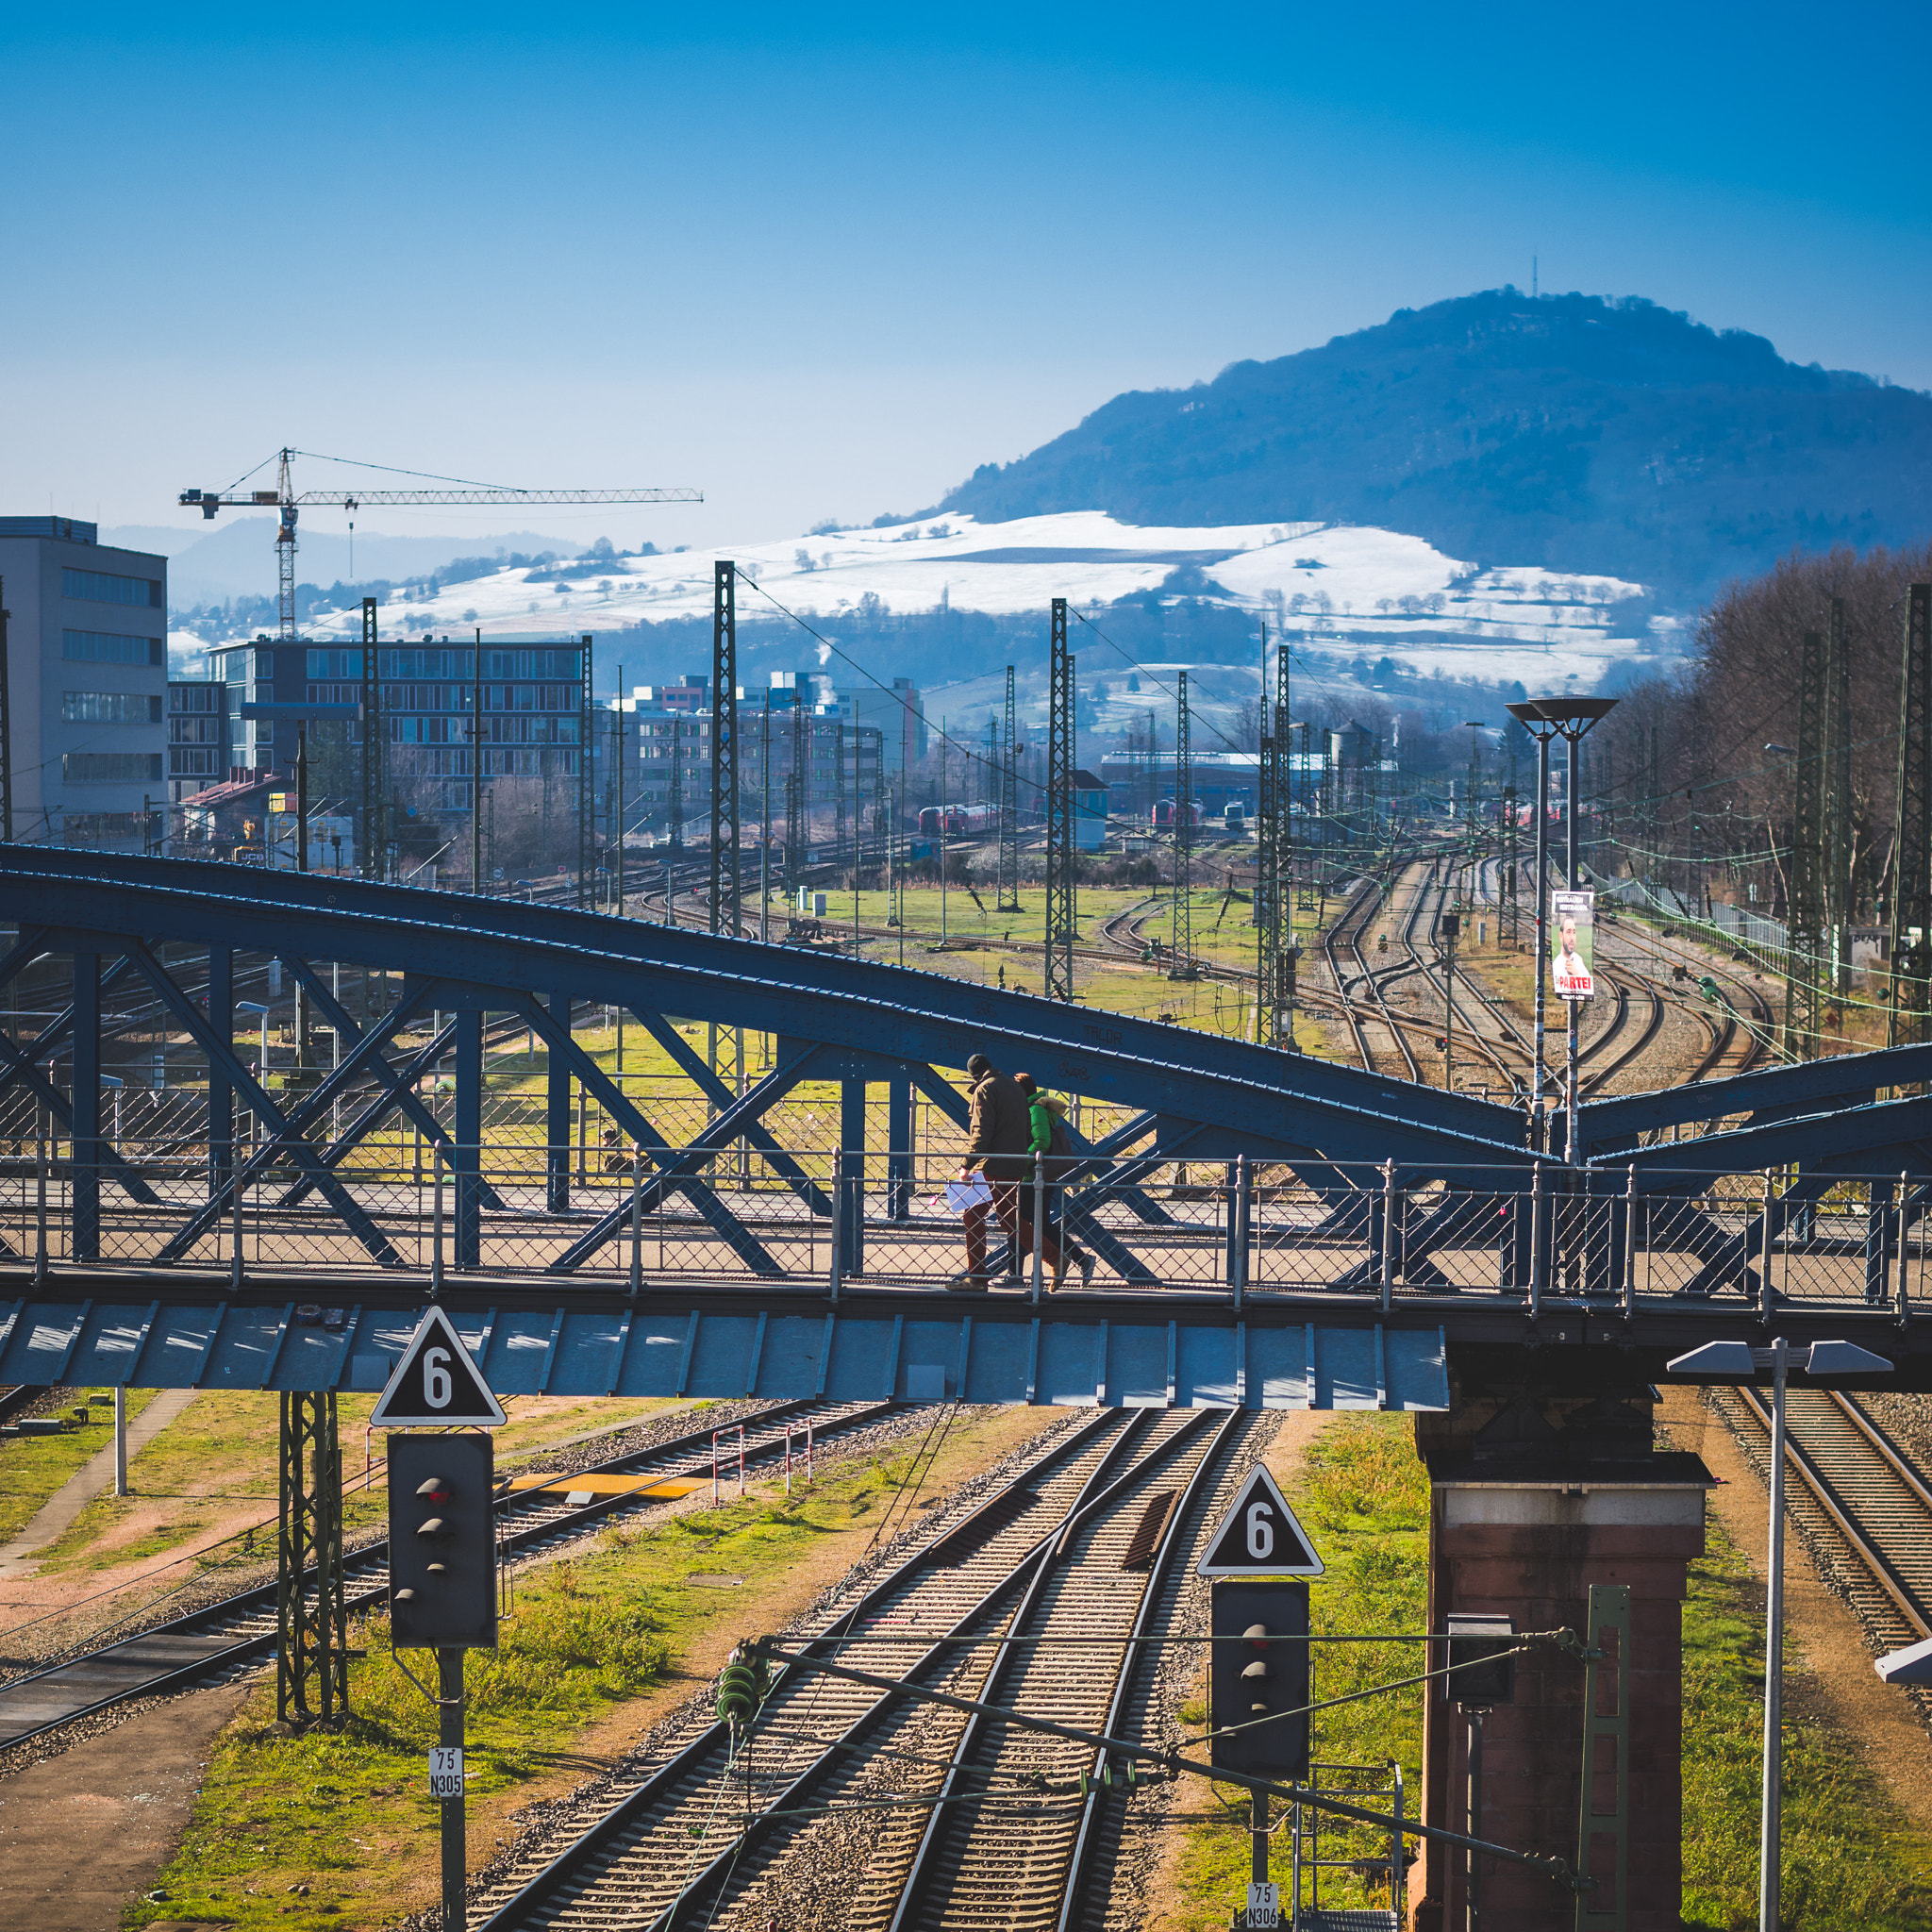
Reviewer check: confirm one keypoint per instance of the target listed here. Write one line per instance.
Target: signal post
(442, 1584)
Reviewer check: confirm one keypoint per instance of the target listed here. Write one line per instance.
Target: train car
(1234, 817)
(1164, 814)
(962, 821)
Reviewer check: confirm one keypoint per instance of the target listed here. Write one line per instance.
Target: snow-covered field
(1345, 590)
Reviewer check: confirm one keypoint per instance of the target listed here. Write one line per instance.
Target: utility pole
(1008, 897)
(724, 865)
(1804, 937)
(1837, 779)
(796, 799)
(1911, 947)
(1058, 983)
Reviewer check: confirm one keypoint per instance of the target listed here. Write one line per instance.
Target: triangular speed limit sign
(437, 1384)
(1259, 1536)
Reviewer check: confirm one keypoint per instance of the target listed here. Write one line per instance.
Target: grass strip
(1850, 1857)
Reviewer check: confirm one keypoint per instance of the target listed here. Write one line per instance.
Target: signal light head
(439, 1490)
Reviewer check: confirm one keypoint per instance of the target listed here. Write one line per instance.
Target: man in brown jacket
(1002, 1129)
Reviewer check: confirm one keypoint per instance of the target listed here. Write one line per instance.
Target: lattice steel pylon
(311, 1611)
(726, 881)
(1807, 910)
(1911, 849)
(1275, 871)
(796, 799)
(368, 722)
(1008, 883)
(1837, 799)
(1059, 812)
(1181, 964)
(587, 784)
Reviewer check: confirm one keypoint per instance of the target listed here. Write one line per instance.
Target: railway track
(712, 1825)
(1857, 1497)
(243, 1627)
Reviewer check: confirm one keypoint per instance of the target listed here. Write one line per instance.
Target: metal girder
(1007, 884)
(679, 1176)
(720, 1096)
(900, 1013)
(400, 1095)
(1609, 1127)
(289, 1142)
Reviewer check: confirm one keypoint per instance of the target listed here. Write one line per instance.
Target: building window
(194, 697)
(97, 586)
(109, 707)
(110, 767)
(335, 663)
(109, 647)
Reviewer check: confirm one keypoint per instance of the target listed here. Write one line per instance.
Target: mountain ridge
(1571, 432)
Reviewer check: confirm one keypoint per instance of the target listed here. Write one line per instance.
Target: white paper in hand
(971, 1192)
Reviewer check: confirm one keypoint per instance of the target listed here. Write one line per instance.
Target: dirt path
(86, 1831)
(1838, 1680)
(58, 1513)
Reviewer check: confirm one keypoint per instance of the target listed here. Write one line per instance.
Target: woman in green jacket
(1048, 1128)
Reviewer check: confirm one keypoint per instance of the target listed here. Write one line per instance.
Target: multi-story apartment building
(87, 683)
(533, 703)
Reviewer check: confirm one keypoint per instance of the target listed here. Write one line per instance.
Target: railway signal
(442, 1593)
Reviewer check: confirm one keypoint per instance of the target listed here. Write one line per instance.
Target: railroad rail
(241, 1628)
(1857, 1497)
(713, 1824)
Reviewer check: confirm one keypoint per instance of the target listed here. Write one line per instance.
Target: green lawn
(33, 1467)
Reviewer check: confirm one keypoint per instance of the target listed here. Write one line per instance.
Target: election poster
(1572, 944)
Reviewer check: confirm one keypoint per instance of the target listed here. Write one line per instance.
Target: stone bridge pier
(1539, 1491)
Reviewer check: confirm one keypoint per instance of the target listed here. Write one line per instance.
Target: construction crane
(285, 499)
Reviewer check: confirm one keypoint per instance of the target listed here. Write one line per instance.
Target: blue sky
(823, 267)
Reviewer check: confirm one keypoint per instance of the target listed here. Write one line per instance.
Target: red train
(962, 821)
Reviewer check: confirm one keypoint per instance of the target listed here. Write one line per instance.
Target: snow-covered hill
(1343, 588)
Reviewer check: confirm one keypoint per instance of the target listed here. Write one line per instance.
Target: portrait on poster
(1572, 944)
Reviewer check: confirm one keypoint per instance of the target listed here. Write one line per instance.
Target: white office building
(87, 677)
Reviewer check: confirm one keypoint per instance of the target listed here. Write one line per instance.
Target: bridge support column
(1534, 1499)
(900, 1179)
(557, 1114)
(851, 1209)
(87, 1108)
(468, 1136)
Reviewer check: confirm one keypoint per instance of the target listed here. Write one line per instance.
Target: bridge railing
(837, 1223)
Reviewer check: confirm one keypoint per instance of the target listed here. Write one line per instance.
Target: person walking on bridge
(1049, 1138)
(1001, 1129)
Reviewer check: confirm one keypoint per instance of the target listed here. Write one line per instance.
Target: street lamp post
(1738, 1362)
(1545, 719)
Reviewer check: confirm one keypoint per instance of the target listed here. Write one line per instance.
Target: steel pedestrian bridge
(1267, 1228)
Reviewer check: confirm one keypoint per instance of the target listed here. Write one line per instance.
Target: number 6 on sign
(436, 1382)
(1259, 1536)
(1260, 1530)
